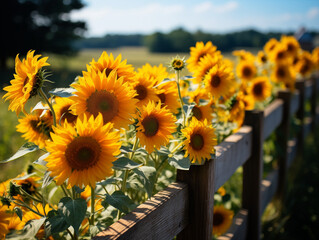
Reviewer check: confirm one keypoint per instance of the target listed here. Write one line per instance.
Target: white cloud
(209, 6)
(313, 13)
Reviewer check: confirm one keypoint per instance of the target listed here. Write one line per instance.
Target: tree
(42, 25)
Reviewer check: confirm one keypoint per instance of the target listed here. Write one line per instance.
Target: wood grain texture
(232, 153)
(272, 117)
(294, 103)
(238, 229)
(252, 174)
(200, 180)
(269, 188)
(161, 217)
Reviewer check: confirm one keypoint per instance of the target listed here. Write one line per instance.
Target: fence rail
(185, 208)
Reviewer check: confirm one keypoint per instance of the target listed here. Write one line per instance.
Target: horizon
(145, 17)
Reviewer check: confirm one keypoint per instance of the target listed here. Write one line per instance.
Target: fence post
(314, 101)
(283, 138)
(200, 180)
(252, 175)
(300, 85)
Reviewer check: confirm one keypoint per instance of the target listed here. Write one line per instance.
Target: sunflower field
(116, 135)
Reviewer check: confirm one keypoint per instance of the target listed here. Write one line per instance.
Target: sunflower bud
(177, 63)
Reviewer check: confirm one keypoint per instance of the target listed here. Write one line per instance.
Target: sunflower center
(218, 219)
(201, 56)
(258, 89)
(215, 81)
(197, 113)
(263, 59)
(151, 126)
(197, 141)
(247, 72)
(290, 47)
(35, 125)
(141, 92)
(66, 114)
(82, 153)
(281, 73)
(162, 97)
(280, 55)
(103, 102)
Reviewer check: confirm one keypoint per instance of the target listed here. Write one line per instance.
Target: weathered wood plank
(292, 151)
(200, 180)
(161, 217)
(269, 188)
(300, 85)
(308, 89)
(238, 229)
(272, 117)
(252, 175)
(294, 103)
(232, 153)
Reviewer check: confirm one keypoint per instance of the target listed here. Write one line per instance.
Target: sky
(217, 16)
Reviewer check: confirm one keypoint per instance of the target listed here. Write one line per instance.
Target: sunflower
(4, 221)
(282, 73)
(168, 95)
(200, 140)
(219, 80)
(237, 111)
(27, 81)
(270, 45)
(262, 57)
(107, 63)
(244, 55)
(315, 57)
(62, 110)
(260, 88)
(197, 95)
(246, 70)
(83, 153)
(145, 90)
(207, 62)
(35, 129)
(222, 219)
(280, 54)
(155, 126)
(29, 184)
(198, 52)
(249, 101)
(291, 44)
(304, 66)
(158, 73)
(111, 96)
(203, 112)
(29, 215)
(177, 63)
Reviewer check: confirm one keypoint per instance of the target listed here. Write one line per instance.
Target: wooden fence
(185, 208)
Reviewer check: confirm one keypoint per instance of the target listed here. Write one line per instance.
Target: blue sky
(141, 16)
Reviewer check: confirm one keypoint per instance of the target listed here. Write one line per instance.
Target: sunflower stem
(42, 94)
(92, 205)
(180, 96)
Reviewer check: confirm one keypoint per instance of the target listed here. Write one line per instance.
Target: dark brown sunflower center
(66, 114)
(201, 56)
(304, 68)
(197, 141)
(103, 102)
(197, 113)
(162, 97)
(281, 72)
(215, 81)
(247, 72)
(280, 55)
(218, 219)
(263, 59)
(258, 89)
(151, 125)
(82, 153)
(141, 92)
(35, 125)
(290, 47)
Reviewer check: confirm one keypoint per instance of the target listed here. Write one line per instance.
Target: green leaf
(125, 149)
(18, 211)
(39, 106)
(55, 223)
(94, 230)
(179, 161)
(29, 231)
(40, 160)
(62, 92)
(120, 201)
(147, 176)
(73, 211)
(47, 179)
(25, 149)
(111, 180)
(124, 163)
(188, 109)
